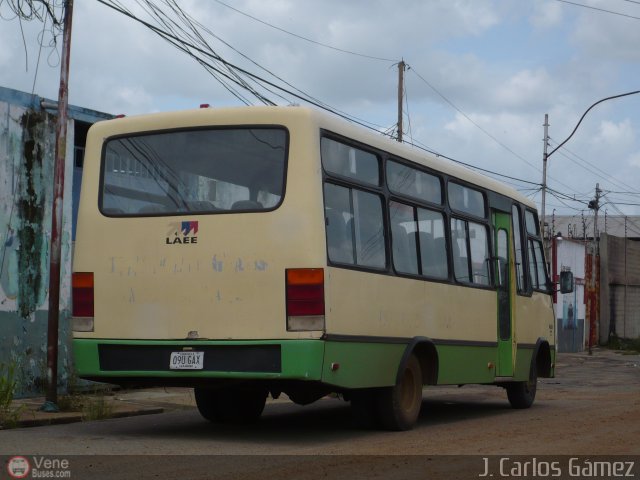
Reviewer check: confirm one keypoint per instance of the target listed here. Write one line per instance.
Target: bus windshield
(203, 170)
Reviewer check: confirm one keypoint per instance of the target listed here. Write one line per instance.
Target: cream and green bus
(248, 252)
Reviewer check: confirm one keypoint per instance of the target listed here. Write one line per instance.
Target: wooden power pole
(56, 216)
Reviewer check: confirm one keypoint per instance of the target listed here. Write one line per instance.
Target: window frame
(411, 198)
(358, 146)
(103, 165)
(482, 191)
(525, 289)
(537, 240)
(388, 196)
(418, 246)
(488, 229)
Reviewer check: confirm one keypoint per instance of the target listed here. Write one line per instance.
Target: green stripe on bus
(361, 365)
(300, 359)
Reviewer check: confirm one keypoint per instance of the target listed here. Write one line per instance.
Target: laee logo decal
(182, 233)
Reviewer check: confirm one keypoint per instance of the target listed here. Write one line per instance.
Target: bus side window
(470, 252)
(403, 239)
(433, 249)
(368, 229)
(337, 210)
(459, 250)
(354, 226)
(517, 248)
(338, 238)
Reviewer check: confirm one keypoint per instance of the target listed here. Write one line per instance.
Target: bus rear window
(188, 171)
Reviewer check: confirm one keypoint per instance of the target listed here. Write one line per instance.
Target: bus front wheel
(399, 406)
(237, 405)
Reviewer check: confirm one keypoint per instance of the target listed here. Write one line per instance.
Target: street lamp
(545, 155)
(593, 204)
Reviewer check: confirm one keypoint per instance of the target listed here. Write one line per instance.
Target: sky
(481, 75)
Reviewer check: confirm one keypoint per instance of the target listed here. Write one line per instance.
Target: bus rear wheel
(522, 394)
(232, 405)
(399, 406)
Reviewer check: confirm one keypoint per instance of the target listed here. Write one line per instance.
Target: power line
(194, 45)
(492, 137)
(187, 46)
(484, 170)
(594, 169)
(315, 42)
(599, 9)
(459, 110)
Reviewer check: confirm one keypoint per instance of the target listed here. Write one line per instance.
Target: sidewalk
(120, 403)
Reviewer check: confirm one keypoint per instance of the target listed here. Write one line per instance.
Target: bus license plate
(186, 360)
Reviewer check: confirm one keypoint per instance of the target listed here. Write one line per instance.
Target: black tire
(237, 405)
(399, 406)
(523, 394)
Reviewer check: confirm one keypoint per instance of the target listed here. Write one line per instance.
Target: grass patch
(9, 415)
(94, 405)
(628, 346)
(97, 408)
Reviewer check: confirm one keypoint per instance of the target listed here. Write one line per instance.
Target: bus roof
(272, 115)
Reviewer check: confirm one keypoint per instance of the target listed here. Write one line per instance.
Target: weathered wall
(570, 307)
(27, 145)
(620, 288)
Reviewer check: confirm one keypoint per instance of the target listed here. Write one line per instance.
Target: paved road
(593, 407)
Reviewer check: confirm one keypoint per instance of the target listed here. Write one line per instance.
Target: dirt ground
(590, 410)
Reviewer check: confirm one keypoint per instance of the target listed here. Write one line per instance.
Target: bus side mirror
(566, 282)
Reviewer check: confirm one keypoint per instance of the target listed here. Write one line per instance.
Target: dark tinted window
(194, 171)
(414, 183)
(347, 161)
(355, 228)
(466, 200)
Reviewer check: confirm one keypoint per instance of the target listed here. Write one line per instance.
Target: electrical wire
(188, 37)
(372, 57)
(190, 48)
(599, 9)
(423, 147)
(592, 168)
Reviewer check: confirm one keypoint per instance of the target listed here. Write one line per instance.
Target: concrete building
(613, 300)
(580, 225)
(27, 146)
(572, 330)
(619, 288)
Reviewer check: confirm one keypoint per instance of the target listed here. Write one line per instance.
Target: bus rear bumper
(339, 364)
(148, 362)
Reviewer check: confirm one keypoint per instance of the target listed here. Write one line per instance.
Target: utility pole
(626, 282)
(546, 155)
(594, 205)
(401, 68)
(544, 168)
(56, 217)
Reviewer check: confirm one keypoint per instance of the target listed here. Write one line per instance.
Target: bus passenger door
(502, 224)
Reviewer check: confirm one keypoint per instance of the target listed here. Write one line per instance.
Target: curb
(73, 417)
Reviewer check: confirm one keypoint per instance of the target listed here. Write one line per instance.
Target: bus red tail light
(82, 301)
(305, 299)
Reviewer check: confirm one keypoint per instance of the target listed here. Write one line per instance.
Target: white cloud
(525, 88)
(504, 64)
(618, 135)
(606, 36)
(634, 160)
(546, 14)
